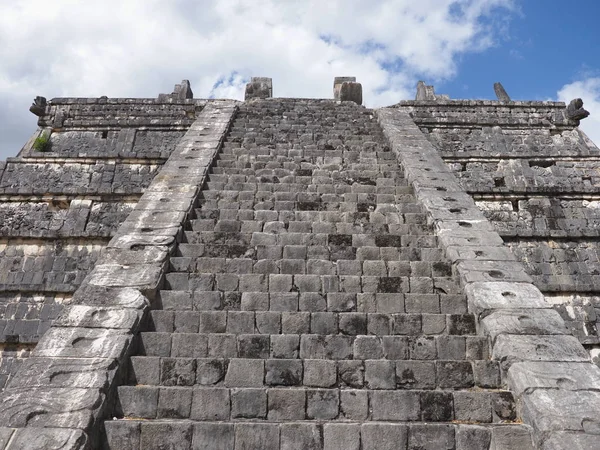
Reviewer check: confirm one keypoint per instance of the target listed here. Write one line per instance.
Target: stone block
(174, 403)
(264, 436)
(170, 435)
(509, 349)
(65, 372)
(138, 401)
(245, 373)
(341, 436)
(485, 297)
(574, 376)
(380, 374)
(473, 437)
(513, 436)
(562, 440)
(472, 407)
(47, 438)
(431, 437)
(283, 372)
(395, 405)
(286, 404)
(561, 410)
(248, 404)
(301, 436)
(213, 436)
(210, 404)
(319, 373)
(259, 87)
(83, 343)
(383, 436)
(95, 317)
(322, 404)
(524, 321)
(50, 407)
(123, 434)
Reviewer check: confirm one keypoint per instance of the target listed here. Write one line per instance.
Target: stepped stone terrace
(284, 273)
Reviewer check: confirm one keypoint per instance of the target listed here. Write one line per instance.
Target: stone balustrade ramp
(309, 306)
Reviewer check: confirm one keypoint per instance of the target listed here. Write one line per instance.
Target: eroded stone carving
(259, 87)
(501, 93)
(575, 110)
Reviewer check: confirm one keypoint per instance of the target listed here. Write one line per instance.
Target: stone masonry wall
(59, 207)
(536, 177)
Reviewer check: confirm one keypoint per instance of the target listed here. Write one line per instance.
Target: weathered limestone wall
(60, 207)
(535, 176)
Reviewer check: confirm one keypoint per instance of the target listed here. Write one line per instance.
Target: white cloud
(589, 91)
(140, 48)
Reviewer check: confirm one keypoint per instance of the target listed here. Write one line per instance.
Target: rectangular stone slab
(474, 271)
(97, 317)
(509, 349)
(467, 237)
(523, 321)
(83, 343)
(131, 240)
(145, 255)
(479, 253)
(528, 376)
(50, 407)
(141, 276)
(549, 410)
(65, 372)
(129, 298)
(485, 297)
(49, 438)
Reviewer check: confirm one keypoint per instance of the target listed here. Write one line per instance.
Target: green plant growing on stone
(42, 142)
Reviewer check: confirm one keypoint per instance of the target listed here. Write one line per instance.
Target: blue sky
(547, 44)
(538, 49)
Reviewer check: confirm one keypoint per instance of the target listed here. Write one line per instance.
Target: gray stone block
(319, 373)
(138, 401)
(354, 404)
(251, 436)
(431, 437)
(509, 349)
(340, 436)
(512, 436)
(380, 374)
(301, 436)
(395, 405)
(283, 372)
(526, 376)
(248, 404)
(473, 437)
(524, 321)
(286, 404)
(473, 407)
(50, 407)
(383, 436)
(555, 410)
(174, 403)
(123, 434)
(210, 404)
(213, 436)
(83, 343)
(166, 435)
(245, 373)
(322, 404)
(34, 438)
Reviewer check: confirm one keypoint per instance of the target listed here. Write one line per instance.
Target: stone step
(320, 373)
(253, 163)
(346, 222)
(200, 403)
(314, 302)
(395, 174)
(293, 185)
(346, 323)
(316, 200)
(335, 228)
(460, 350)
(366, 242)
(341, 207)
(342, 267)
(304, 283)
(317, 435)
(272, 179)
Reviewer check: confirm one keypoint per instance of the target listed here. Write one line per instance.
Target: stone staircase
(309, 307)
